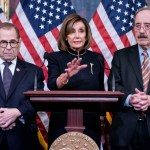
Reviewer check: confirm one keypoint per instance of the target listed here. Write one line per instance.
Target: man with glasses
(18, 130)
(131, 68)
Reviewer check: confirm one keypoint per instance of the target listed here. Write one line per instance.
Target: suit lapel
(133, 55)
(19, 73)
(2, 90)
(148, 89)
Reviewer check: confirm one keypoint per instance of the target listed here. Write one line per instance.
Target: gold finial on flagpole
(5, 4)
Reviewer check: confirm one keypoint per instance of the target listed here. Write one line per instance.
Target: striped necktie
(7, 76)
(145, 71)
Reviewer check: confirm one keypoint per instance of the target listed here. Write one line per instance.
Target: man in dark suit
(131, 125)
(18, 130)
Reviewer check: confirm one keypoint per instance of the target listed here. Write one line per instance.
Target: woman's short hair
(67, 28)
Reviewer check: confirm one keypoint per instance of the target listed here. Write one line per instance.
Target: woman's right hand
(74, 67)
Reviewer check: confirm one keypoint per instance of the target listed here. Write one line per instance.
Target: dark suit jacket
(126, 68)
(20, 136)
(83, 80)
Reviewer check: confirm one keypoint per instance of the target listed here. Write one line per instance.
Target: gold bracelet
(63, 82)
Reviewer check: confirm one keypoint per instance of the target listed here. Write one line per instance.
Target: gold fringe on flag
(109, 117)
(42, 141)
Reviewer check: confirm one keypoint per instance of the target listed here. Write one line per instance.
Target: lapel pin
(91, 64)
(17, 69)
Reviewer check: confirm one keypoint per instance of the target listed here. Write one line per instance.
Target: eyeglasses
(12, 43)
(145, 26)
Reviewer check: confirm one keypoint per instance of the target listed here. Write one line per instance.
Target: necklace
(76, 54)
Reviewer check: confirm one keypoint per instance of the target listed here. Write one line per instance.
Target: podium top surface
(59, 93)
(62, 100)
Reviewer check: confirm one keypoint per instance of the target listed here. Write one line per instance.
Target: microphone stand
(35, 78)
(113, 79)
(113, 82)
(35, 81)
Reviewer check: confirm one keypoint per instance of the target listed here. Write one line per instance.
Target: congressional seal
(74, 141)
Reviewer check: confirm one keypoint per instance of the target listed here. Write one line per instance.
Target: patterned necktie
(145, 70)
(7, 76)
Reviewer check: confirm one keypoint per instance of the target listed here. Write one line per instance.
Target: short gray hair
(141, 9)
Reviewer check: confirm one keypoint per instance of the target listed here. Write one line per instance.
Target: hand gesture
(74, 67)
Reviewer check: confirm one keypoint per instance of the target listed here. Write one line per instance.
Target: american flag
(112, 28)
(39, 22)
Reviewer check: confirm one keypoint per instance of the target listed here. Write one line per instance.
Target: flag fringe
(109, 117)
(42, 141)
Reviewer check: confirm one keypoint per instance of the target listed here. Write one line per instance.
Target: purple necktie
(7, 76)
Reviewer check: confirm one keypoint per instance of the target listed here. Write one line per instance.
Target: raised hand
(74, 67)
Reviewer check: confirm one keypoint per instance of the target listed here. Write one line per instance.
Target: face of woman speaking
(77, 37)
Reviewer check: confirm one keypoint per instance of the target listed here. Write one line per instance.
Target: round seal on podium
(74, 141)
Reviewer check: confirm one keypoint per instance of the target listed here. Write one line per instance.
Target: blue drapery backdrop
(85, 8)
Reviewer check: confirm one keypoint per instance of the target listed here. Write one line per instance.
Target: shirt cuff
(22, 119)
(127, 101)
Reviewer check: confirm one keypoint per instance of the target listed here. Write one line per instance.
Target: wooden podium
(75, 102)
(86, 100)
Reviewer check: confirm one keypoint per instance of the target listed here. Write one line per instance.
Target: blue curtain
(85, 8)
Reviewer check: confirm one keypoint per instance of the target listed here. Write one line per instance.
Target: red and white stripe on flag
(39, 24)
(112, 29)
(105, 21)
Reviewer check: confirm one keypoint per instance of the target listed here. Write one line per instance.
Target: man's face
(9, 51)
(142, 29)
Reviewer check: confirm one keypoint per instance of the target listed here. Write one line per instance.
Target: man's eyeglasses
(145, 26)
(12, 43)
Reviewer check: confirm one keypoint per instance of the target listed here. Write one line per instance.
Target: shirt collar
(14, 61)
(141, 50)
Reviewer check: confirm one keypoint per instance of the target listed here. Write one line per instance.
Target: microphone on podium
(113, 77)
(45, 55)
(113, 82)
(35, 78)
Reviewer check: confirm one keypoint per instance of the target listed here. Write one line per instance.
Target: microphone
(113, 82)
(45, 55)
(113, 77)
(35, 78)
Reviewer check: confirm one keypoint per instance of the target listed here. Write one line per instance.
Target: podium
(75, 102)
(86, 100)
